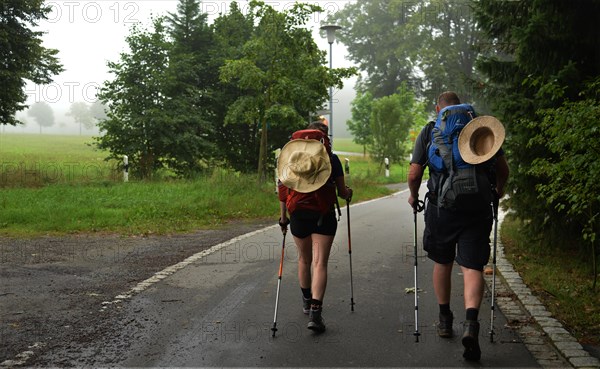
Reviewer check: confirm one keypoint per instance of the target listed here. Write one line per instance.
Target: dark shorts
(303, 223)
(463, 237)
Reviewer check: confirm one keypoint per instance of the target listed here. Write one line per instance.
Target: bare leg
(304, 246)
(442, 282)
(321, 250)
(474, 285)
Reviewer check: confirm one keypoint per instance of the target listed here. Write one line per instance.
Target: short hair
(319, 125)
(448, 98)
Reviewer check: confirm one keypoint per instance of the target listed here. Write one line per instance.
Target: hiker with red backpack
(310, 179)
(468, 172)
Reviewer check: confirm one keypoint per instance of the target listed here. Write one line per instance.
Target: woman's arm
(343, 191)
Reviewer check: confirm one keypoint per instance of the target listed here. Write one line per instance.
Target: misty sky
(90, 33)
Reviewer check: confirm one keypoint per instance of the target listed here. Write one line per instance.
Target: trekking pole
(420, 205)
(274, 329)
(495, 204)
(347, 169)
(350, 256)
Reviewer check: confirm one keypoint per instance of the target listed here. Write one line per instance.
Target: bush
(570, 173)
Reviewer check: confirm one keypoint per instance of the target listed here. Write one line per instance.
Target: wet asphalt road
(218, 311)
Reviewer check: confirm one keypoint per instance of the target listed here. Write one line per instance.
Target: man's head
(319, 125)
(445, 99)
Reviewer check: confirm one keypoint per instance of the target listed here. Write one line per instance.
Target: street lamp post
(330, 29)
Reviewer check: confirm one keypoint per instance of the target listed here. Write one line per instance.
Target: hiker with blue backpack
(310, 179)
(467, 175)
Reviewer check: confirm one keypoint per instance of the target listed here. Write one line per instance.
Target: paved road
(218, 310)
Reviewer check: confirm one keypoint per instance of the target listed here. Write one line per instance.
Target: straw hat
(303, 165)
(480, 139)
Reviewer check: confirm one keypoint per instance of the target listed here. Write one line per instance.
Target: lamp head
(330, 29)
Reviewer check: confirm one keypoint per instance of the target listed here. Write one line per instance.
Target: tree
(191, 80)
(442, 37)
(360, 124)
(370, 31)
(137, 124)
(427, 44)
(82, 115)
(283, 74)
(42, 113)
(98, 110)
(570, 175)
(391, 119)
(22, 55)
(538, 66)
(236, 142)
(157, 113)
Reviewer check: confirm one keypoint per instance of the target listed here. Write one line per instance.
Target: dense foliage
(22, 56)
(542, 66)
(283, 74)
(427, 45)
(391, 118)
(189, 95)
(533, 63)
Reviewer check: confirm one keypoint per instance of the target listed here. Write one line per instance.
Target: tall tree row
(535, 64)
(188, 95)
(542, 71)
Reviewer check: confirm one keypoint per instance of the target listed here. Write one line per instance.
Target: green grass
(133, 208)
(144, 207)
(32, 160)
(562, 280)
(89, 196)
(346, 145)
(361, 167)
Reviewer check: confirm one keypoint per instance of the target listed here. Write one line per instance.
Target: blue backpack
(443, 151)
(457, 184)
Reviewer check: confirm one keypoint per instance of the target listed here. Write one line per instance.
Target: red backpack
(321, 200)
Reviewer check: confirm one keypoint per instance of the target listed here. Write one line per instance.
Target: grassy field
(561, 279)
(60, 185)
(31, 160)
(346, 145)
(362, 167)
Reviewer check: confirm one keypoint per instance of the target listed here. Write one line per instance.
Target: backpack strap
(427, 133)
(445, 149)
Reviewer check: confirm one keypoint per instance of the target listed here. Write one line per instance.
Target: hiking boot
(444, 326)
(470, 340)
(305, 305)
(316, 322)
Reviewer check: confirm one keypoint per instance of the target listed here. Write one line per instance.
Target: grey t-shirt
(419, 155)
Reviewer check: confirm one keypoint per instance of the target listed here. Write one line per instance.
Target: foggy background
(88, 34)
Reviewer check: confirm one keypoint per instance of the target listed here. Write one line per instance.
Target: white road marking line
(159, 276)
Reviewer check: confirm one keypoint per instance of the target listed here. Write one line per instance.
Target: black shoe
(305, 305)
(470, 341)
(316, 322)
(444, 326)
